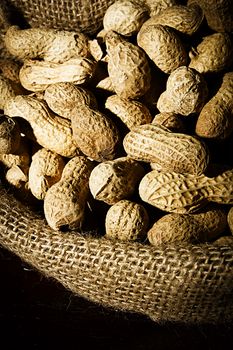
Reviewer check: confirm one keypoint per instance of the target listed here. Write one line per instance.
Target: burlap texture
(184, 283)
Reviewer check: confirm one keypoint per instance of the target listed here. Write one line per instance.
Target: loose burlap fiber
(184, 283)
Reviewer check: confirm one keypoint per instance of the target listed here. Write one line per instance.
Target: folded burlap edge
(178, 283)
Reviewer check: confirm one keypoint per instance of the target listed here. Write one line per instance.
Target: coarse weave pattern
(84, 15)
(184, 283)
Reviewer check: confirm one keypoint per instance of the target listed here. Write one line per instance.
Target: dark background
(39, 313)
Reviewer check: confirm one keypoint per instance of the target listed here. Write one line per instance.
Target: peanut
(113, 180)
(9, 135)
(169, 120)
(128, 67)
(126, 220)
(213, 54)
(63, 97)
(51, 132)
(230, 219)
(163, 46)
(65, 201)
(185, 193)
(156, 6)
(132, 113)
(185, 94)
(7, 91)
(21, 157)
(17, 176)
(38, 75)
(215, 120)
(184, 19)
(95, 134)
(125, 17)
(10, 69)
(173, 151)
(50, 45)
(196, 228)
(45, 170)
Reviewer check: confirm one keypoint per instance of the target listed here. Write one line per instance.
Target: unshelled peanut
(185, 94)
(45, 170)
(38, 75)
(48, 44)
(51, 132)
(128, 67)
(172, 151)
(9, 135)
(65, 201)
(185, 193)
(132, 113)
(126, 221)
(170, 120)
(215, 120)
(196, 228)
(111, 181)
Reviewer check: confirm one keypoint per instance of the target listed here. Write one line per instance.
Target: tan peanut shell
(38, 75)
(10, 68)
(213, 54)
(185, 19)
(63, 97)
(230, 219)
(9, 135)
(198, 227)
(128, 67)
(94, 133)
(21, 157)
(7, 90)
(185, 94)
(51, 132)
(172, 151)
(169, 120)
(218, 14)
(45, 170)
(126, 221)
(132, 113)
(17, 176)
(48, 44)
(185, 193)
(224, 241)
(113, 180)
(65, 201)
(215, 120)
(105, 85)
(125, 17)
(163, 46)
(156, 6)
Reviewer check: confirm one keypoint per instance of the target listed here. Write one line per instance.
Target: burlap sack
(184, 283)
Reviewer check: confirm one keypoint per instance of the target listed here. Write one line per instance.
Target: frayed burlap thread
(183, 283)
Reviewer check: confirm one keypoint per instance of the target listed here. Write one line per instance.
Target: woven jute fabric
(184, 283)
(85, 15)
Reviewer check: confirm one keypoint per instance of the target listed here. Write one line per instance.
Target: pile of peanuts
(129, 120)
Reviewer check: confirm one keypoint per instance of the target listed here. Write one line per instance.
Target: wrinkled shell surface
(49, 44)
(186, 92)
(10, 69)
(20, 158)
(38, 75)
(230, 219)
(51, 132)
(128, 68)
(95, 134)
(126, 221)
(156, 6)
(125, 17)
(169, 120)
(215, 120)
(63, 97)
(185, 193)
(7, 91)
(114, 180)
(198, 227)
(65, 201)
(45, 170)
(163, 46)
(132, 113)
(9, 135)
(185, 19)
(213, 54)
(172, 151)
